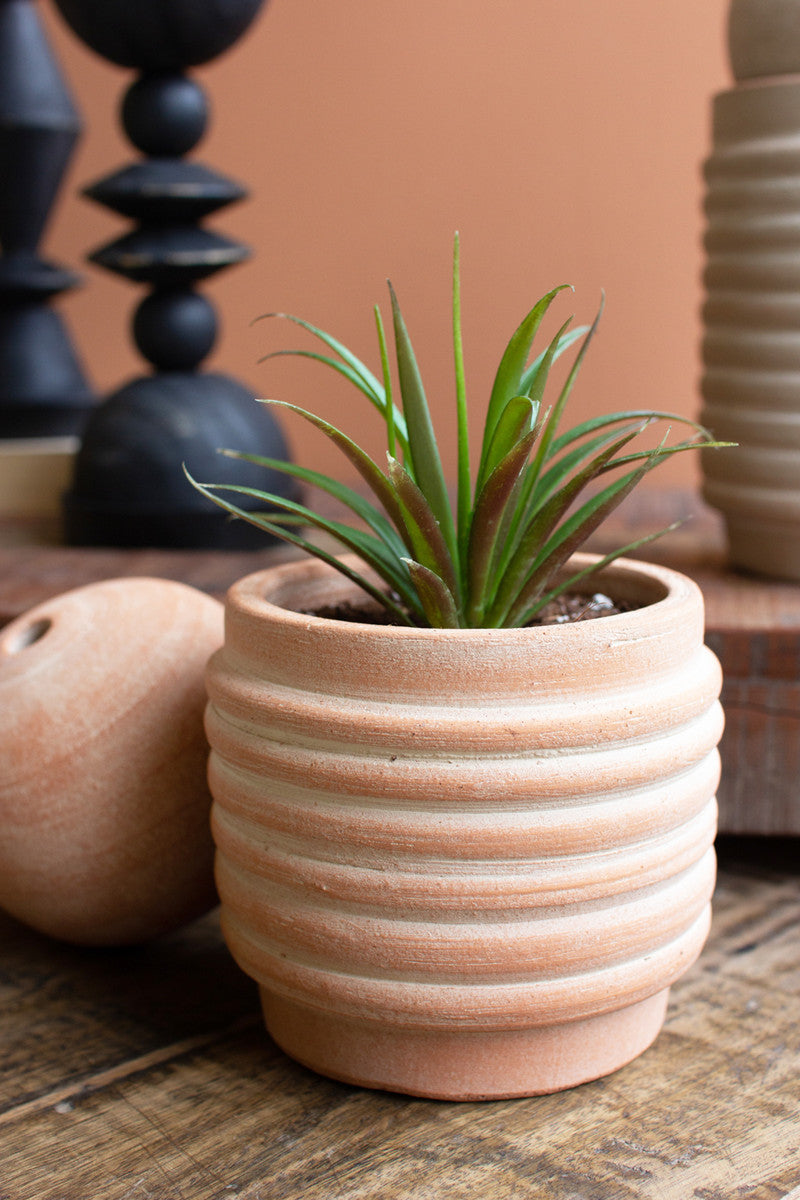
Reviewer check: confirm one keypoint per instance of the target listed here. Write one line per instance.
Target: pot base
(457, 1064)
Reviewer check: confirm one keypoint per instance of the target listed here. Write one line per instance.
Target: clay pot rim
(652, 586)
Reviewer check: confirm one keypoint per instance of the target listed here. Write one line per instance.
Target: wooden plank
(67, 1013)
(30, 574)
(710, 1111)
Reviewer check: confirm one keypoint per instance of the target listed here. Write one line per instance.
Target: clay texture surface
(464, 864)
(104, 804)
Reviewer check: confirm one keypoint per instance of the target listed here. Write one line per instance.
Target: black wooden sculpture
(43, 390)
(128, 488)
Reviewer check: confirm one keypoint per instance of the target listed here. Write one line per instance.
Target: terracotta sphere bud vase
(464, 864)
(104, 804)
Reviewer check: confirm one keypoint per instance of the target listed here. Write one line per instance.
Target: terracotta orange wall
(564, 141)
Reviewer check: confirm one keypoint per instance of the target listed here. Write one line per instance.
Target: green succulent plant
(496, 557)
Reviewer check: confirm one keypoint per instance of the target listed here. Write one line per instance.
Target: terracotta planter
(751, 345)
(464, 864)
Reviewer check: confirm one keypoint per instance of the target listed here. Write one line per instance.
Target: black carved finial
(165, 116)
(43, 391)
(128, 487)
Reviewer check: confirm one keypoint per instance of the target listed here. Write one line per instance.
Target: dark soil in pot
(572, 607)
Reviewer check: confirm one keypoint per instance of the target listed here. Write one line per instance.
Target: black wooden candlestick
(129, 488)
(43, 390)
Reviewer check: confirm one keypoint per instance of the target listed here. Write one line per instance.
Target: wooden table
(146, 1074)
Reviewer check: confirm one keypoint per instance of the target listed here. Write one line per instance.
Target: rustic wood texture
(147, 1074)
(753, 626)
(31, 573)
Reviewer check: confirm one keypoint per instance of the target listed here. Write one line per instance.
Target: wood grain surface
(147, 1074)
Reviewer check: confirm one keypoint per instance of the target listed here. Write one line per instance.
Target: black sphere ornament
(129, 488)
(175, 330)
(164, 114)
(159, 35)
(163, 421)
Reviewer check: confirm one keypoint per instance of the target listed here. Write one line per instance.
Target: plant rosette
(493, 559)
(464, 864)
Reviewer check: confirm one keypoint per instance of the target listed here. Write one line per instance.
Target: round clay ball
(104, 805)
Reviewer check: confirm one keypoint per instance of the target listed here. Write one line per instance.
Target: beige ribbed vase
(751, 347)
(464, 864)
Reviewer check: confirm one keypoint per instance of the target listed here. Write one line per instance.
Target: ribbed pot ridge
(500, 837)
(751, 344)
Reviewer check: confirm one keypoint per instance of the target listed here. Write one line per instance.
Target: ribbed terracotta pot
(464, 864)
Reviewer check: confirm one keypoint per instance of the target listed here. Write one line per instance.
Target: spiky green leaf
(437, 600)
(488, 523)
(367, 469)
(393, 420)
(338, 348)
(464, 482)
(570, 582)
(585, 428)
(424, 465)
(516, 421)
(567, 341)
(359, 505)
(422, 528)
(371, 551)
(541, 523)
(508, 380)
(552, 424)
(570, 537)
